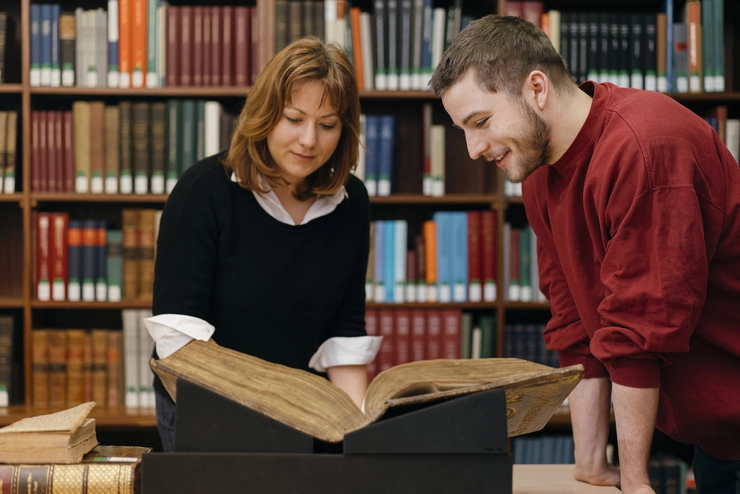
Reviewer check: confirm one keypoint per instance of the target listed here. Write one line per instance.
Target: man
(636, 206)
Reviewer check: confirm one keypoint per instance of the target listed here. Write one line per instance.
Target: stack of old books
(59, 453)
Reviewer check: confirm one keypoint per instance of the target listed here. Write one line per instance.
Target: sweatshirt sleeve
(655, 274)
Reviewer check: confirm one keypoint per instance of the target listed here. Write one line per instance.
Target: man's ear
(537, 87)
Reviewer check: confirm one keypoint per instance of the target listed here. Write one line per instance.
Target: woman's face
(306, 135)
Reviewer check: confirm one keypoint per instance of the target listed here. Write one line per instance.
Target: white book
(437, 158)
(555, 28)
(146, 347)
(476, 341)
(438, 35)
(366, 38)
(330, 16)
(130, 357)
(113, 41)
(213, 111)
(733, 137)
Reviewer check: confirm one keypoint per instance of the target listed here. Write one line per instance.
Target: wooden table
(552, 479)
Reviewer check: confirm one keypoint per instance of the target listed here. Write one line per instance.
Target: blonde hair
(307, 59)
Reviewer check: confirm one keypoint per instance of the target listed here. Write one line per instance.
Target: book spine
(402, 336)
(152, 77)
(43, 257)
(124, 43)
(173, 144)
(386, 355)
(227, 41)
(215, 57)
(451, 333)
(185, 45)
(55, 69)
(89, 263)
(75, 367)
(140, 146)
(130, 358)
(74, 257)
(97, 147)
(138, 43)
(173, 35)
(101, 283)
(113, 74)
(434, 334)
(57, 368)
(40, 367)
(114, 265)
(157, 127)
(126, 181)
(99, 366)
(197, 54)
(112, 148)
(59, 253)
(130, 254)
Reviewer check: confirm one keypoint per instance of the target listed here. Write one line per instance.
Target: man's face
(499, 127)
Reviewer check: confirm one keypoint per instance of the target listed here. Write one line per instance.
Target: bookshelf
(16, 290)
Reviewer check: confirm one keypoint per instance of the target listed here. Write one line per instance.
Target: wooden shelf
(16, 197)
(37, 197)
(527, 305)
(11, 88)
(708, 97)
(182, 91)
(105, 417)
(11, 303)
(448, 199)
(430, 305)
(92, 305)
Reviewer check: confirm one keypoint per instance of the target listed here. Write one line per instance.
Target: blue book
(399, 262)
(371, 155)
(444, 256)
(390, 252)
(35, 73)
(379, 231)
(113, 37)
(46, 44)
(459, 242)
(56, 67)
(386, 146)
(426, 45)
(669, 46)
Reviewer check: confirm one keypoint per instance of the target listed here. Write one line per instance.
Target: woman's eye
(293, 120)
(328, 126)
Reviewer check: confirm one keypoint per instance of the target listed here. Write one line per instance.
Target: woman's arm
(352, 379)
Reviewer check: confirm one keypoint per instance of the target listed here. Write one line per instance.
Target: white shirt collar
(272, 205)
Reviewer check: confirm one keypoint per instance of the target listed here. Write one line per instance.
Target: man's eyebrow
(471, 115)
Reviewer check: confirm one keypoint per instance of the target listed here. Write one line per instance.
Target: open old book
(61, 437)
(311, 404)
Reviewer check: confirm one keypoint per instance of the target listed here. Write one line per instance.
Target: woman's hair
(502, 51)
(307, 59)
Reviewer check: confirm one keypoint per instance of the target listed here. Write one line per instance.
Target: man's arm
(352, 379)
(589, 405)
(635, 410)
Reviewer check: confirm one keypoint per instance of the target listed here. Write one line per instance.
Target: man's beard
(533, 146)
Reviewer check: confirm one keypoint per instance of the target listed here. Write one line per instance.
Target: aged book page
(313, 405)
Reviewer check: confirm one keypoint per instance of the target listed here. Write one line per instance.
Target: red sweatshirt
(638, 231)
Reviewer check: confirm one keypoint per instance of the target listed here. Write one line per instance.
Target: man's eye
(480, 123)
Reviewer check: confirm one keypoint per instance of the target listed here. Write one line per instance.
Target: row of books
(727, 128)
(8, 146)
(452, 260)
(668, 474)
(543, 449)
(654, 51)
(521, 274)
(428, 334)
(143, 43)
(525, 341)
(81, 260)
(134, 147)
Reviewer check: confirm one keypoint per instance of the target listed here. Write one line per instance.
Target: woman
(264, 249)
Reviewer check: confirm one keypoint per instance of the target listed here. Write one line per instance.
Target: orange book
(430, 244)
(124, 43)
(693, 26)
(354, 24)
(99, 366)
(138, 42)
(75, 366)
(40, 367)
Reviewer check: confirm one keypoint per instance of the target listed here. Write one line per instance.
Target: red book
(215, 57)
(434, 334)
(35, 152)
(411, 267)
(242, 42)
(59, 150)
(186, 45)
(371, 327)
(58, 256)
(488, 254)
(532, 12)
(227, 46)
(173, 37)
(43, 256)
(254, 68)
(52, 170)
(402, 350)
(451, 322)
(69, 151)
(418, 334)
(197, 46)
(475, 266)
(386, 354)
(205, 47)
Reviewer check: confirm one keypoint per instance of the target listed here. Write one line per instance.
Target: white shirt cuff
(344, 350)
(171, 332)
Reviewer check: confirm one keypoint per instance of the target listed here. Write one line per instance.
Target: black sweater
(271, 290)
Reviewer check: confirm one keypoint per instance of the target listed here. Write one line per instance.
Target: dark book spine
(227, 46)
(158, 125)
(173, 143)
(141, 152)
(126, 172)
(197, 54)
(242, 52)
(185, 45)
(173, 43)
(215, 57)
